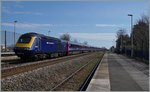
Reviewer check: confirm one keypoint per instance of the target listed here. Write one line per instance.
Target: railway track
(5, 54)
(88, 79)
(74, 82)
(25, 67)
(15, 62)
(47, 77)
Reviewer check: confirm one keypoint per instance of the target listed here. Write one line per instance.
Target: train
(39, 46)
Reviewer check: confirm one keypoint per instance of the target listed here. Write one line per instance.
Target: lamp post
(5, 42)
(131, 34)
(15, 32)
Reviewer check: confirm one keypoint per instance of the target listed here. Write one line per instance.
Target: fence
(142, 54)
(7, 40)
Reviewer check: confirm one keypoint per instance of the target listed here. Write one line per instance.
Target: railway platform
(119, 73)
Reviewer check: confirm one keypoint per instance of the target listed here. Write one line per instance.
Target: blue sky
(95, 21)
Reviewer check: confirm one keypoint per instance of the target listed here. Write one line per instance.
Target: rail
(69, 77)
(88, 79)
(7, 53)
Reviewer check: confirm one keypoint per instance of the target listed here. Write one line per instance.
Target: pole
(5, 41)
(15, 32)
(132, 35)
(132, 52)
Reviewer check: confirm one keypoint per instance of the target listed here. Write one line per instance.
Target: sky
(93, 21)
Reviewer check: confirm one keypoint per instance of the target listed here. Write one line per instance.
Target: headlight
(26, 48)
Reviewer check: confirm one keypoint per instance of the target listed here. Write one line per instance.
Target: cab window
(24, 39)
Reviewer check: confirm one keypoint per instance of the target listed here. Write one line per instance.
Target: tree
(85, 43)
(123, 41)
(75, 41)
(121, 32)
(66, 37)
(141, 37)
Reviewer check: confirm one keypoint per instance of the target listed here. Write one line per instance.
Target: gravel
(44, 78)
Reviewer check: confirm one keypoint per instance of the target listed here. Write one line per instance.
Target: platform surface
(119, 73)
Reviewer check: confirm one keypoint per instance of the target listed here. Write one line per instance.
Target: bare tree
(121, 32)
(66, 37)
(122, 40)
(141, 36)
(140, 39)
(145, 19)
(75, 41)
(85, 42)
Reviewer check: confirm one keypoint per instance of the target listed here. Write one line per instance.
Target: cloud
(25, 12)
(27, 25)
(93, 36)
(109, 25)
(43, 25)
(38, 25)
(19, 6)
(8, 11)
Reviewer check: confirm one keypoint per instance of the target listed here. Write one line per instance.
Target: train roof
(81, 44)
(40, 35)
(48, 37)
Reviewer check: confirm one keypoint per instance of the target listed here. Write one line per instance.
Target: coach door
(59, 46)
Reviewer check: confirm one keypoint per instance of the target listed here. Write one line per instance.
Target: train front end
(24, 46)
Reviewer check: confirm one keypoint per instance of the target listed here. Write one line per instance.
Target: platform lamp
(131, 34)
